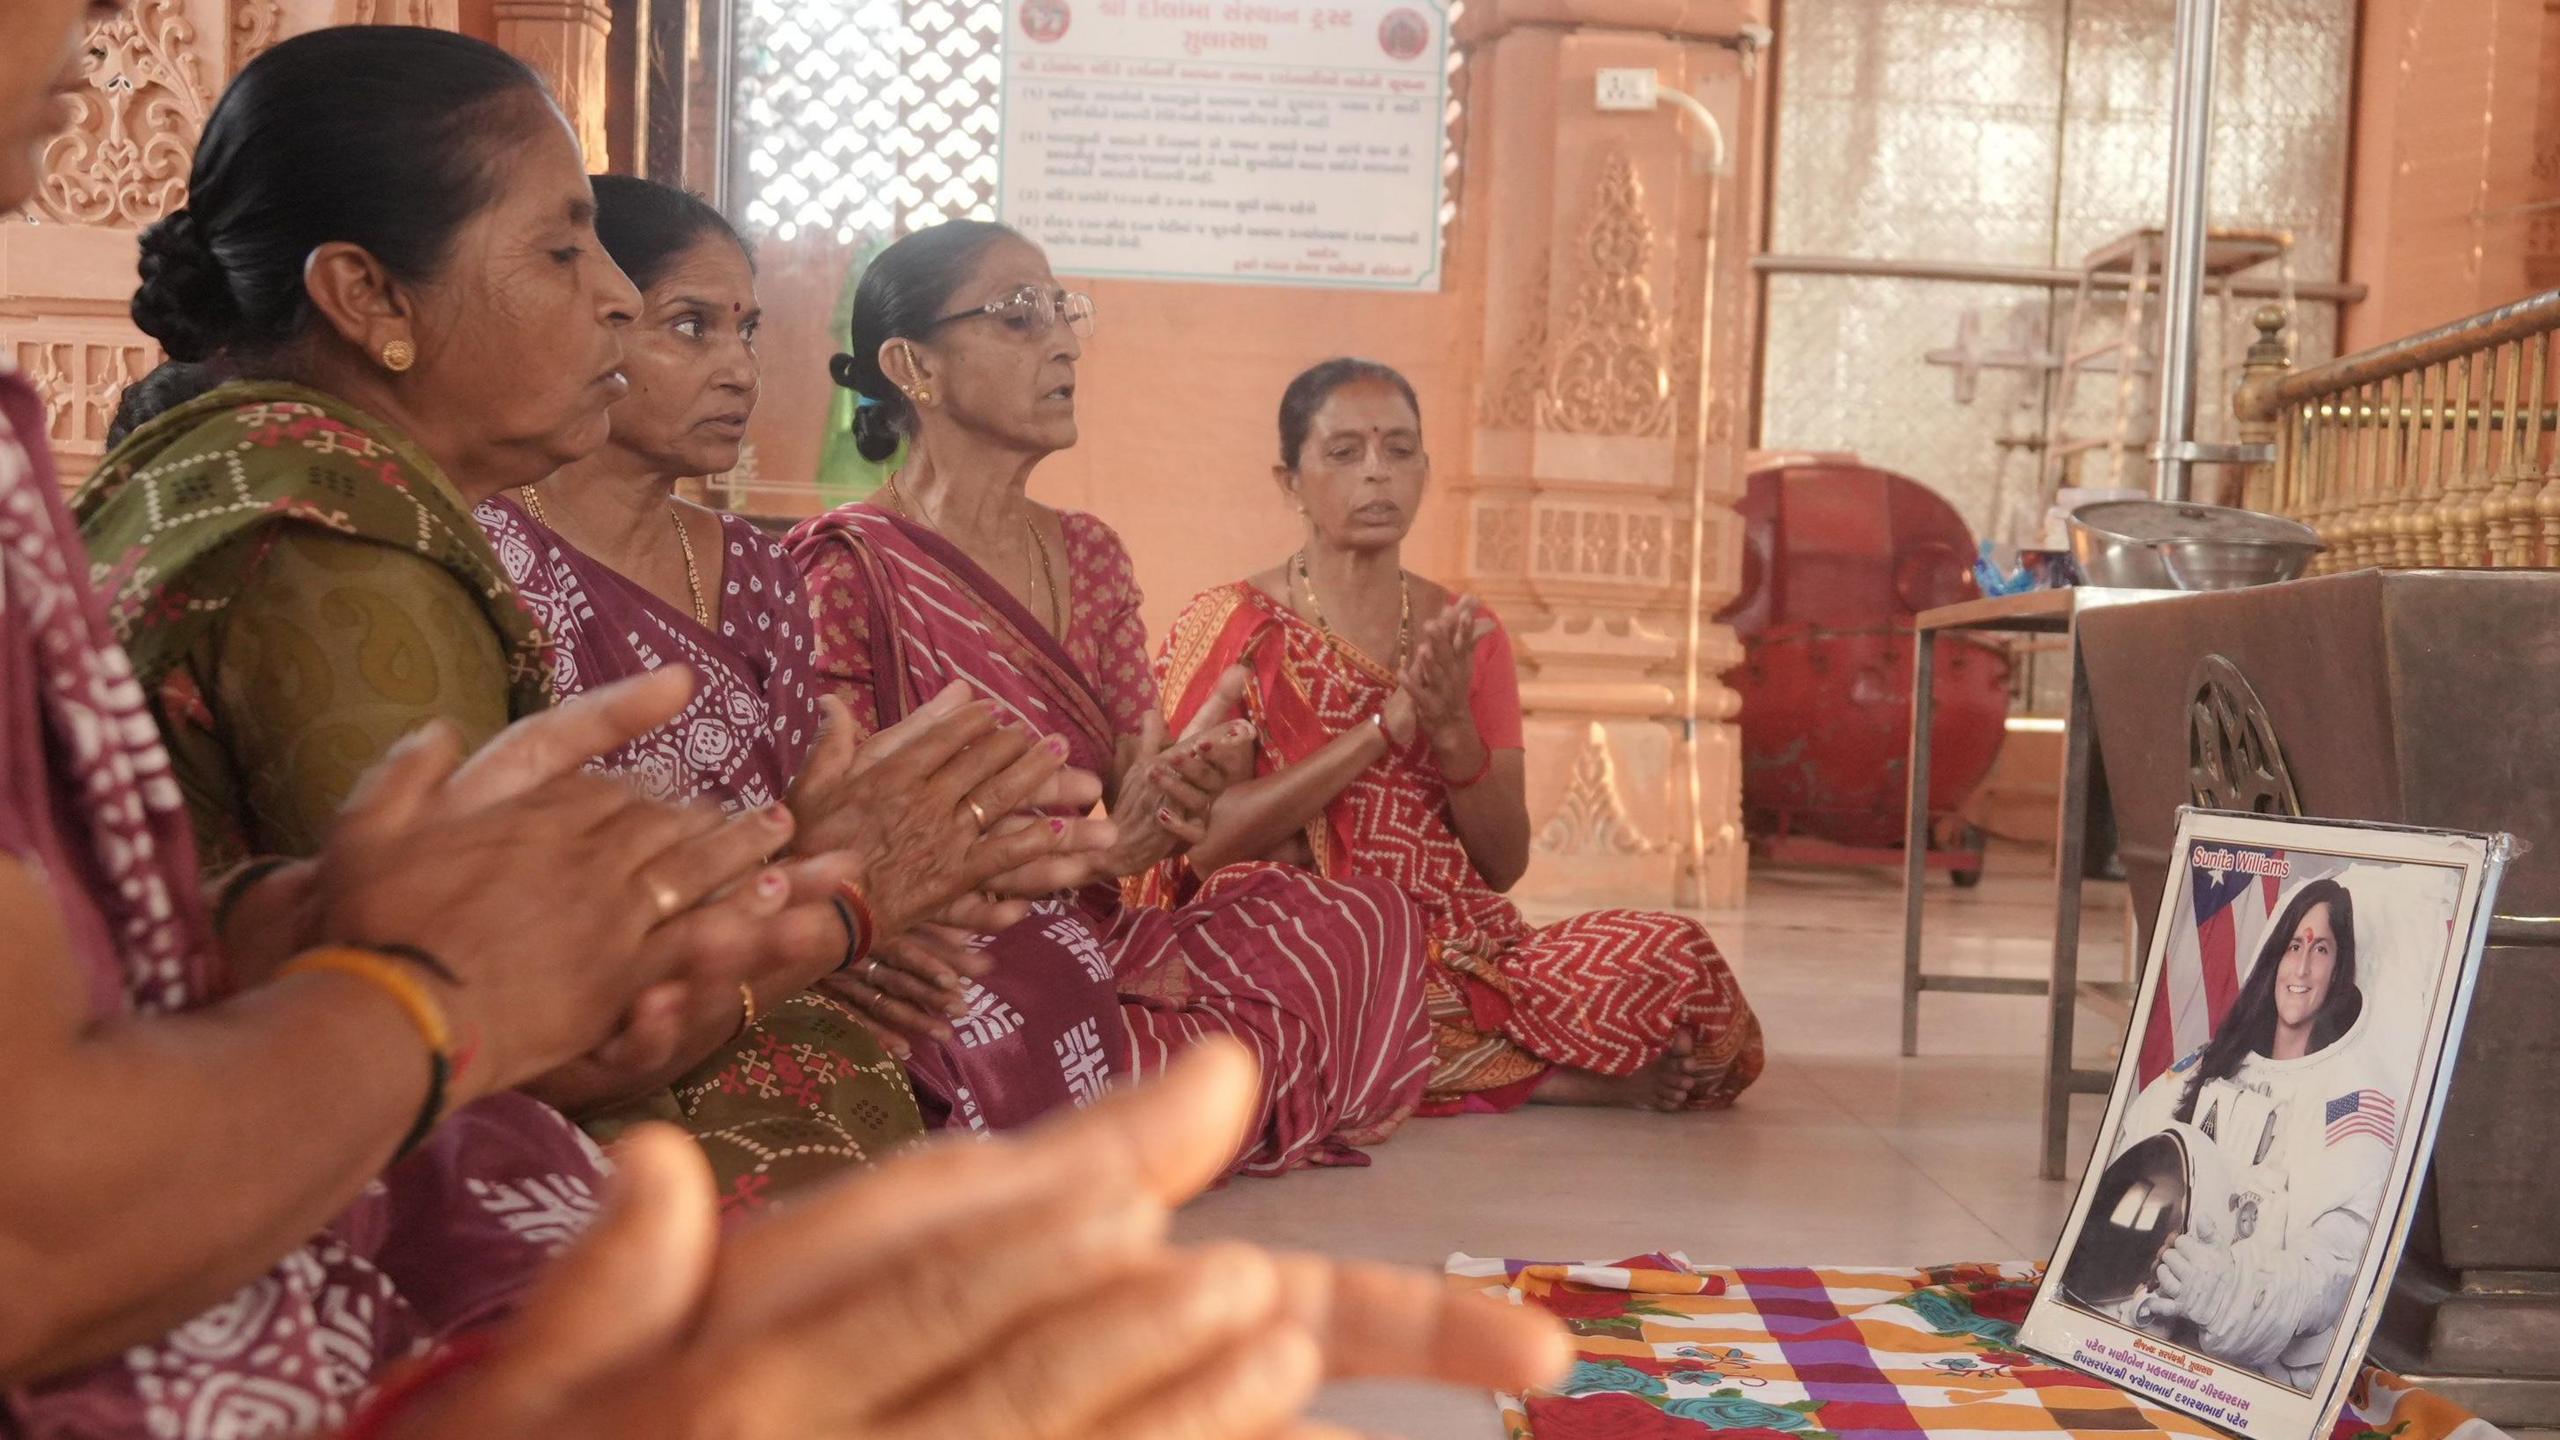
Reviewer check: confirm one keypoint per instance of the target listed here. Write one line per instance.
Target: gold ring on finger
(871, 972)
(978, 811)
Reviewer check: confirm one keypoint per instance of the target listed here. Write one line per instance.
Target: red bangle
(399, 1395)
(860, 930)
(1477, 778)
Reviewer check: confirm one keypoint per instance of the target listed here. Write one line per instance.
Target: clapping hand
(562, 902)
(1440, 671)
(1014, 1289)
(1166, 789)
(935, 812)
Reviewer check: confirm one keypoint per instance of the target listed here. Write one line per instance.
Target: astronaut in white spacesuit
(2289, 1124)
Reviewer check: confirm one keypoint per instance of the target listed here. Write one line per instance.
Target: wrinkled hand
(1020, 1289)
(559, 900)
(897, 809)
(1167, 788)
(912, 987)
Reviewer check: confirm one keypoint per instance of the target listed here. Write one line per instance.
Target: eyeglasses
(1031, 311)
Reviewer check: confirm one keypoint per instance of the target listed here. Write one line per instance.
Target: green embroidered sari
(299, 587)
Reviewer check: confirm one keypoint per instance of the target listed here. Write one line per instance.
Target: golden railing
(2434, 450)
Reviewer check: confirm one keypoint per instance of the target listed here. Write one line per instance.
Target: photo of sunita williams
(2241, 1193)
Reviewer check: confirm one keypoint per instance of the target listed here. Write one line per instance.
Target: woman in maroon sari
(965, 348)
(1389, 716)
(624, 577)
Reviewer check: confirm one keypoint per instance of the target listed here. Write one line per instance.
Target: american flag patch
(2366, 1112)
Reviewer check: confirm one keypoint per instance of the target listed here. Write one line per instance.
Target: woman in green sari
(292, 561)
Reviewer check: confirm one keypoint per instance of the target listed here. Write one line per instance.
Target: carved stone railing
(2433, 450)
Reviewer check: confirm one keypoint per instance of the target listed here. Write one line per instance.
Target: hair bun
(185, 300)
(876, 434)
(843, 368)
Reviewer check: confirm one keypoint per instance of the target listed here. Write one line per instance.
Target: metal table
(2038, 612)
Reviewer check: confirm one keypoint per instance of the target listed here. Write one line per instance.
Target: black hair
(172, 384)
(905, 289)
(1315, 385)
(371, 135)
(2250, 1027)
(644, 225)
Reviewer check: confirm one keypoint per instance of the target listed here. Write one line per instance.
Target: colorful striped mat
(1672, 1351)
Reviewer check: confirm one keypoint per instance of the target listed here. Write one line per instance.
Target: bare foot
(1664, 1085)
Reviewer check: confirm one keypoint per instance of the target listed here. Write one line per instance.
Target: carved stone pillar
(1599, 514)
(567, 42)
(67, 264)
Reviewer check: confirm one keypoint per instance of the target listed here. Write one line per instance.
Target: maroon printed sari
(1321, 979)
(807, 1092)
(754, 711)
(443, 1241)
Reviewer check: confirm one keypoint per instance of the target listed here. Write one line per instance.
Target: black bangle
(424, 960)
(439, 1071)
(439, 1066)
(238, 884)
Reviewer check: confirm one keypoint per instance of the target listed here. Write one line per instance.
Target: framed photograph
(2256, 1173)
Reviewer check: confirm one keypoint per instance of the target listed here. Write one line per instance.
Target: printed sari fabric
(444, 1240)
(807, 1092)
(1601, 992)
(1321, 979)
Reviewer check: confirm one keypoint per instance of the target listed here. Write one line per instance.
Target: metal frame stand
(2041, 612)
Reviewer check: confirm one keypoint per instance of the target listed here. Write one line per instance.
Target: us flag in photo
(2366, 1112)
(2232, 908)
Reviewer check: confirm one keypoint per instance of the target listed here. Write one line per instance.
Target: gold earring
(924, 395)
(398, 356)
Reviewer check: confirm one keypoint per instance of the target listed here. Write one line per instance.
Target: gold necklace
(1048, 573)
(684, 538)
(1404, 620)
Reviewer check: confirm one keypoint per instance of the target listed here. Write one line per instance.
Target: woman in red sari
(965, 347)
(1389, 716)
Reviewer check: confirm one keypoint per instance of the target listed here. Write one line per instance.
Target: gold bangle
(747, 998)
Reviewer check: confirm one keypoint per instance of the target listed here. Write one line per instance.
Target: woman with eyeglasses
(291, 558)
(626, 577)
(965, 347)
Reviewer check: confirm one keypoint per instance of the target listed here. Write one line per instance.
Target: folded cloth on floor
(1666, 1350)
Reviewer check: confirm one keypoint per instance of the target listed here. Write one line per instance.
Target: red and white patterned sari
(1601, 992)
(1321, 979)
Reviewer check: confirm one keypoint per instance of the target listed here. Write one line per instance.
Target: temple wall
(1578, 470)
(2454, 204)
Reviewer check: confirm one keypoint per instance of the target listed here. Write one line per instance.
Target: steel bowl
(2233, 564)
(2117, 562)
(2117, 543)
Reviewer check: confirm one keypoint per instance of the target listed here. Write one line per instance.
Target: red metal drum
(1837, 559)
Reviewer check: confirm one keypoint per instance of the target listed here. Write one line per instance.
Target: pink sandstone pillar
(1609, 421)
(565, 41)
(67, 264)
